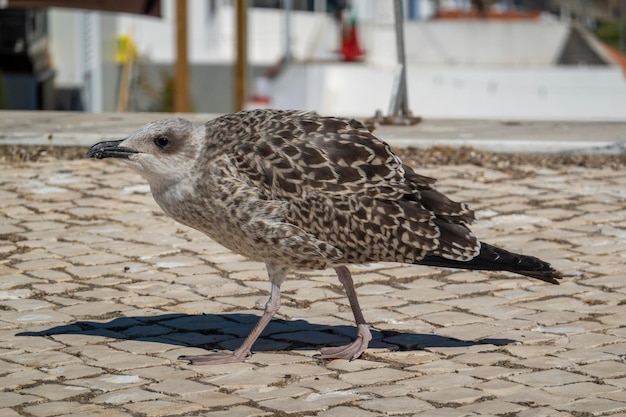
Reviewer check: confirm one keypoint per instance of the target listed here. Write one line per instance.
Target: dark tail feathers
(492, 258)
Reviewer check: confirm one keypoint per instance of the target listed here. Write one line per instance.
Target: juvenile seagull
(300, 191)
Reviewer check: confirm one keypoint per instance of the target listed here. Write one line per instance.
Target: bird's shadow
(226, 331)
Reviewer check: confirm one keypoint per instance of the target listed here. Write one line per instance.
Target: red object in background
(350, 48)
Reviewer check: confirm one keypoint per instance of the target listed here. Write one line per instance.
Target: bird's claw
(353, 350)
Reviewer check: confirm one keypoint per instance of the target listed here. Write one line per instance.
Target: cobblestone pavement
(100, 293)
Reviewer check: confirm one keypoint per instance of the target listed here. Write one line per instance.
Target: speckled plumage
(297, 190)
(314, 192)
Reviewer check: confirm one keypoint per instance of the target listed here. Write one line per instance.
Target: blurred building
(513, 59)
(26, 74)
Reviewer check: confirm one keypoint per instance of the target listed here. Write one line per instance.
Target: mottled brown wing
(306, 152)
(347, 187)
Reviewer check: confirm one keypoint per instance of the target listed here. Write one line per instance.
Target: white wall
(468, 43)
(539, 93)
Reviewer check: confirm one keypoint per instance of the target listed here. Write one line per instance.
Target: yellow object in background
(126, 49)
(125, 55)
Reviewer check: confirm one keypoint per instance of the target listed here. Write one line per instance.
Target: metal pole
(622, 35)
(399, 113)
(401, 104)
(241, 62)
(288, 6)
(320, 6)
(181, 79)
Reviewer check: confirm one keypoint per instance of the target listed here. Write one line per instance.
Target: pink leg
(243, 352)
(356, 348)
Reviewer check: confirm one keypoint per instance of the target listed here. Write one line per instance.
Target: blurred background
(506, 59)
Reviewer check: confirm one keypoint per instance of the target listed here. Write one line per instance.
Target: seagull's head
(163, 152)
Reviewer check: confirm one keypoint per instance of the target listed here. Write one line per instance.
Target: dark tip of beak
(109, 149)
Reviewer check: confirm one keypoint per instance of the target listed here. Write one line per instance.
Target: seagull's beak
(110, 149)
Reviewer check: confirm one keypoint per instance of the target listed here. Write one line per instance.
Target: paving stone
(324, 383)
(501, 388)
(245, 378)
(470, 288)
(532, 397)
(36, 317)
(126, 396)
(615, 396)
(143, 347)
(15, 294)
(605, 369)
(216, 400)
(239, 411)
(274, 392)
(584, 357)
(398, 406)
(438, 382)
(593, 406)
(445, 412)
(157, 373)
(436, 367)
(7, 412)
(529, 351)
(110, 382)
(94, 309)
(276, 358)
(406, 358)
(493, 407)
(59, 408)
(476, 331)
(159, 408)
(26, 305)
(56, 392)
(343, 411)
(472, 303)
(129, 362)
(416, 295)
(609, 281)
(25, 342)
(48, 263)
(310, 402)
(542, 412)
(455, 395)
(419, 309)
(615, 349)
(450, 318)
(386, 390)
(548, 378)
(12, 399)
(74, 371)
(492, 372)
(299, 370)
(181, 387)
(374, 376)
(482, 358)
(547, 363)
(582, 390)
(44, 359)
(591, 339)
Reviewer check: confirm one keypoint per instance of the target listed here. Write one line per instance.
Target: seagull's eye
(161, 141)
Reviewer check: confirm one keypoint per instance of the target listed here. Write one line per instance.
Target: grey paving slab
(100, 293)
